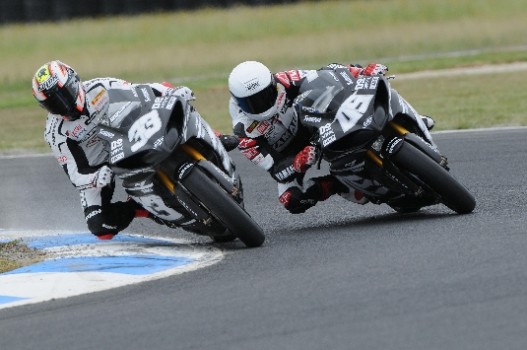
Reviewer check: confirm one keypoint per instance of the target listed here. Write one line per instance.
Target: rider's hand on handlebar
(305, 159)
(374, 69)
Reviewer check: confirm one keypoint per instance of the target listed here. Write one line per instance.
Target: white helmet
(253, 86)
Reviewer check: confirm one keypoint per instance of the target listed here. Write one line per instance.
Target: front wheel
(224, 208)
(453, 194)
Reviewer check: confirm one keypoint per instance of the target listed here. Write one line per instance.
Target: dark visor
(259, 102)
(61, 100)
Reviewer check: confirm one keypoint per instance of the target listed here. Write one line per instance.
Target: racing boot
(326, 186)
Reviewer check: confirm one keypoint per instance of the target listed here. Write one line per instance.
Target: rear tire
(453, 194)
(224, 208)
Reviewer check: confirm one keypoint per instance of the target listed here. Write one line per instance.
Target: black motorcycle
(164, 149)
(375, 142)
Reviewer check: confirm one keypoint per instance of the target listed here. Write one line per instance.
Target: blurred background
(462, 62)
(50, 10)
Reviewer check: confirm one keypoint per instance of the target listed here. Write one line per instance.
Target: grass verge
(408, 36)
(15, 254)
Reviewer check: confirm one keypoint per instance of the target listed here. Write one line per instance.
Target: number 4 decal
(352, 109)
(143, 129)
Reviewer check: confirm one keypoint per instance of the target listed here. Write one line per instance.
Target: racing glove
(374, 69)
(371, 69)
(230, 142)
(305, 159)
(102, 177)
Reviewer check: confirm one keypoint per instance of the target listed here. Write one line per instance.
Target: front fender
(230, 185)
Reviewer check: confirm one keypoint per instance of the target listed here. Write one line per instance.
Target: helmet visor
(261, 101)
(62, 100)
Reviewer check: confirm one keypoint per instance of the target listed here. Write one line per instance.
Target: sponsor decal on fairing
(117, 158)
(346, 78)
(310, 119)
(327, 135)
(367, 83)
(106, 133)
(146, 94)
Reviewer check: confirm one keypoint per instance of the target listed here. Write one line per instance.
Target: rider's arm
(291, 79)
(104, 219)
(163, 89)
(67, 154)
(258, 152)
(280, 167)
(357, 70)
(255, 148)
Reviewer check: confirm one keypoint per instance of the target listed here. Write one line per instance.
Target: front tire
(224, 208)
(453, 194)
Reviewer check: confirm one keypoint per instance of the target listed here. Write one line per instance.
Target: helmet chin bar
(268, 114)
(75, 114)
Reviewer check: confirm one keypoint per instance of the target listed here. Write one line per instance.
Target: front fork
(379, 154)
(207, 166)
(374, 155)
(165, 179)
(401, 133)
(389, 145)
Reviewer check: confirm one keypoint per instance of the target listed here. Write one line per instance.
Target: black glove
(230, 142)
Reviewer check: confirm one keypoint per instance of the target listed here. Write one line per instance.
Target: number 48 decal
(352, 109)
(143, 129)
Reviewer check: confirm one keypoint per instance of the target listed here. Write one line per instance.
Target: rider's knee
(96, 223)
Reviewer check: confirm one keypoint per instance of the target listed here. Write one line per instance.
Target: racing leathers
(84, 157)
(286, 149)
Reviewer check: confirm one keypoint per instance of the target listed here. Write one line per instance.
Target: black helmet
(58, 89)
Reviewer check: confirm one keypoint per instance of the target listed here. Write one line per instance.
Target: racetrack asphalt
(340, 276)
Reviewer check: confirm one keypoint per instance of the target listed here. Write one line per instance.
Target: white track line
(34, 287)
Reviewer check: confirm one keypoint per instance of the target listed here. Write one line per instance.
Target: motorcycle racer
(74, 109)
(263, 116)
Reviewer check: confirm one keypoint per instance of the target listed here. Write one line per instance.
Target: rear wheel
(453, 194)
(224, 208)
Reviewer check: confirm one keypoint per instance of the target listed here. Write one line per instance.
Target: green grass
(472, 101)
(199, 49)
